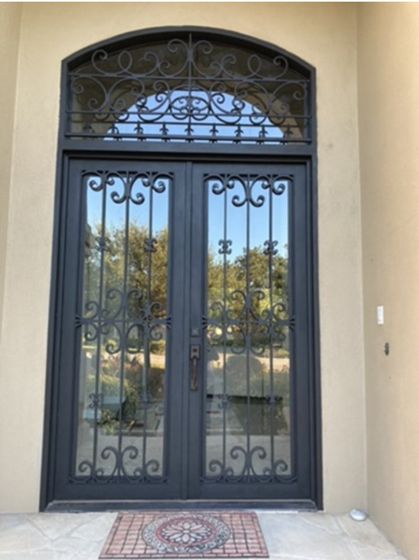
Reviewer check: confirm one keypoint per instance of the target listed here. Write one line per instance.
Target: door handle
(194, 355)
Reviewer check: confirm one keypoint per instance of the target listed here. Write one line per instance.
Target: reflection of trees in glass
(145, 274)
(260, 371)
(255, 264)
(262, 278)
(140, 274)
(134, 266)
(146, 267)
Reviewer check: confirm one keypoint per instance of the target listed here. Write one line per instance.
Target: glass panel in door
(120, 365)
(249, 415)
(247, 420)
(124, 326)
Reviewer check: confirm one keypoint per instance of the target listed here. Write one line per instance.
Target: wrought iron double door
(184, 353)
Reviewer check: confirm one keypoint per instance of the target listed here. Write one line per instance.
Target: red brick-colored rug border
(125, 540)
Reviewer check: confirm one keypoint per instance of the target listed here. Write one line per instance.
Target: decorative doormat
(186, 534)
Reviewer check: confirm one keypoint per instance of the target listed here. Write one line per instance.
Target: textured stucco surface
(389, 124)
(322, 34)
(9, 45)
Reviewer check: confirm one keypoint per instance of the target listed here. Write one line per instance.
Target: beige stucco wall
(389, 124)
(322, 34)
(9, 44)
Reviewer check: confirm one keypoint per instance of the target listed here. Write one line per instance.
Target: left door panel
(119, 364)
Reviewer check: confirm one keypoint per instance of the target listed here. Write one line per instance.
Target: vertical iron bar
(248, 302)
(147, 338)
(124, 312)
(224, 327)
(189, 99)
(271, 326)
(292, 288)
(98, 358)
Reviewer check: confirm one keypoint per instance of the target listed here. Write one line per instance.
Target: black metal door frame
(304, 154)
(310, 414)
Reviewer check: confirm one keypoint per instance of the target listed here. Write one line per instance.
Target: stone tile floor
(289, 536)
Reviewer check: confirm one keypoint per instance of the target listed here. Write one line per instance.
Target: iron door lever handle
(195, 354)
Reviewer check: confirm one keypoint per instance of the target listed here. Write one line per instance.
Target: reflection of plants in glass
(109, 423)
(158, 347)
(110, 386)
(250, 267)
(259, 377)
(132, 406)
(138, 267)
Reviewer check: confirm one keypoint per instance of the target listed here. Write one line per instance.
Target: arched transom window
(189, 87)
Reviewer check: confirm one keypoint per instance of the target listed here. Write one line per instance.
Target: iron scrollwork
(122, 319)
(116, 468)
(251, 323)
(189, 89)
(249, 472)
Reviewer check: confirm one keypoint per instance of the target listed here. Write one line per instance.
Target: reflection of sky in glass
(195, 113)
(115, 213)
(258, 223)
(236, 218)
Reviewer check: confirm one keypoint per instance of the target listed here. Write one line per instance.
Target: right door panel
(250, 312)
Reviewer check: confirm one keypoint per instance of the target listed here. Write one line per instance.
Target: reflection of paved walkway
(280, 365)
(306, 536)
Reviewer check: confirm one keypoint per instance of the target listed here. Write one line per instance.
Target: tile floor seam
(316, 526)
(378, 548)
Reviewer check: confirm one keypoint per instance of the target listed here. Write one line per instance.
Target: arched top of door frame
(128, 39)
(252, 118)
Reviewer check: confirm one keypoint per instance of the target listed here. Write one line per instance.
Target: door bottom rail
(76, 506)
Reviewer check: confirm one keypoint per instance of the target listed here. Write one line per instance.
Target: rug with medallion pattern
(188, 534)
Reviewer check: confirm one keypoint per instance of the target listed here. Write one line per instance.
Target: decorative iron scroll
(248, 320)
(189, 89)
(123, 315)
